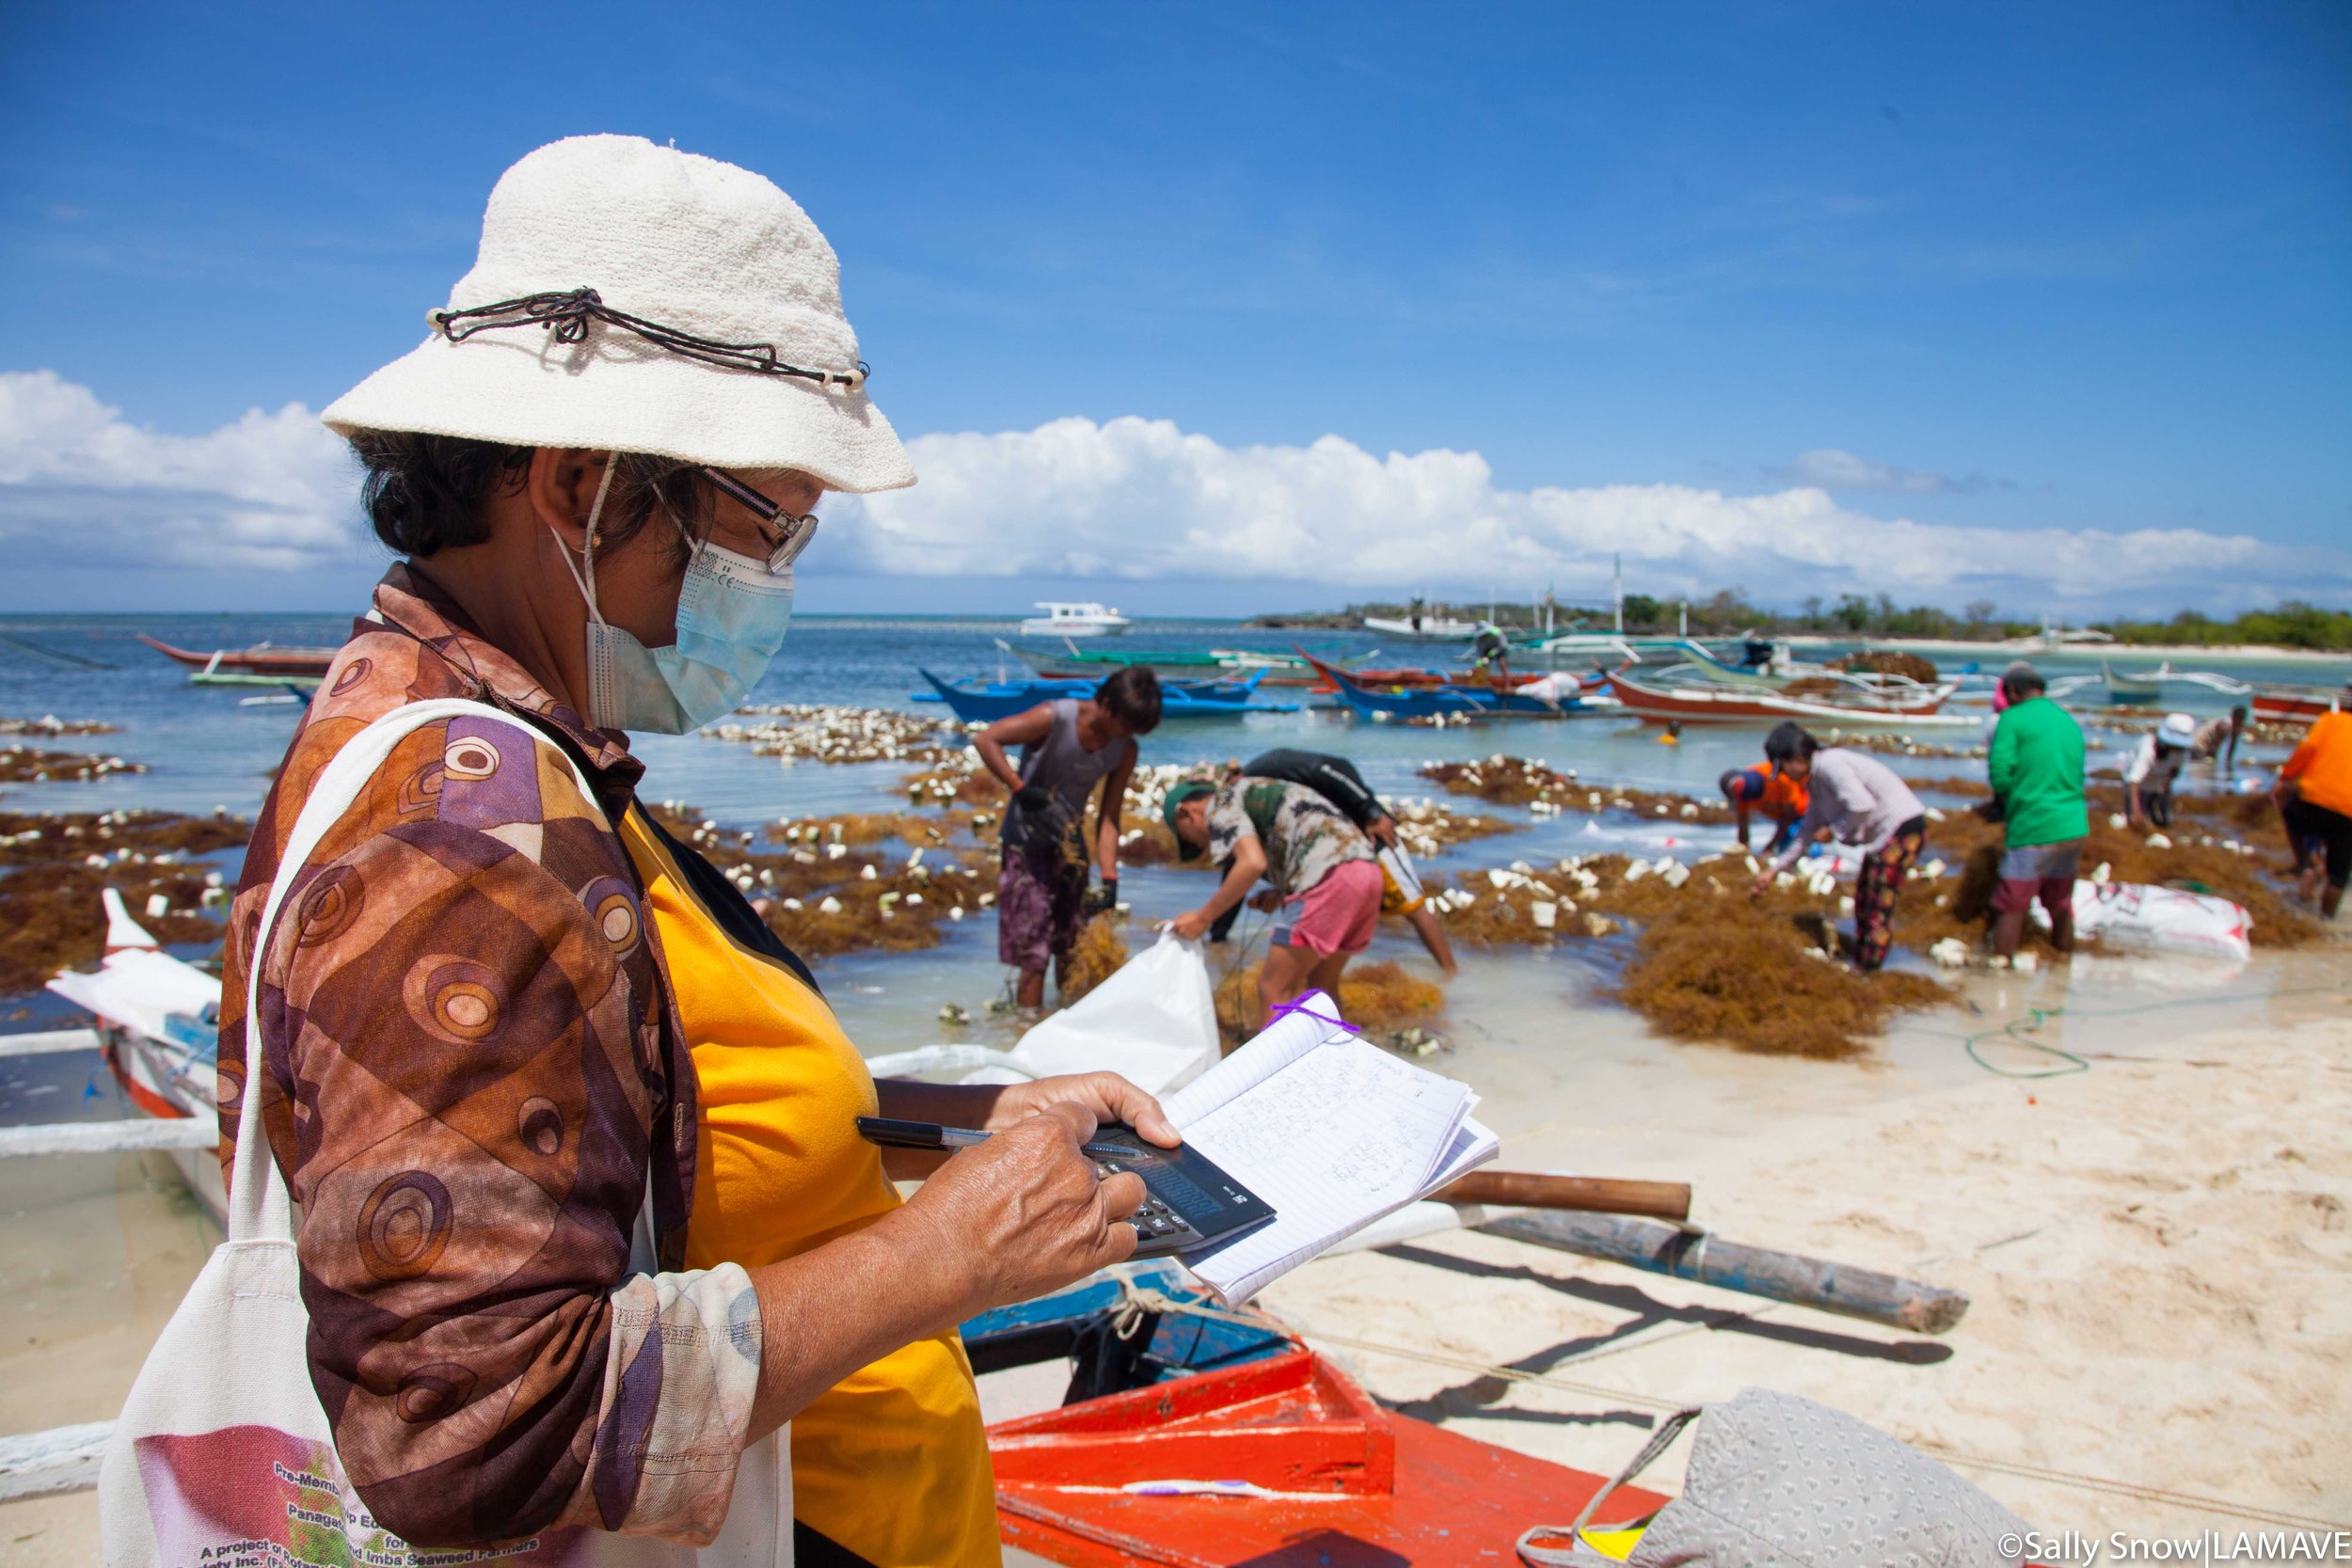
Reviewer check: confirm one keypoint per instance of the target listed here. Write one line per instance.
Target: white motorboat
(1421, 628)
(1087, 619)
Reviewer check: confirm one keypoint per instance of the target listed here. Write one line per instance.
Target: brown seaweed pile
(1886, 661)
(860, 890)
(52, 869)
(1499, 780)
(1383, 1000)
(22, 764)
(1729, 972)
(1095, 957)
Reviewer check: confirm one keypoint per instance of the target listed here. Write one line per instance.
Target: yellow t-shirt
(891, 1462)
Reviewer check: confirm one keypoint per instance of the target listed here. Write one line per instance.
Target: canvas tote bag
(222, 1457)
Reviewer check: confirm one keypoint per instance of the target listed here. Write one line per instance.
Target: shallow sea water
(94, 1250)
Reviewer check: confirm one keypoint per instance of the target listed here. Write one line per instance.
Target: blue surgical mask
(732, 614)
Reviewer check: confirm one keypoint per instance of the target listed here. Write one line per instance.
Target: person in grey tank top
(1069, 747)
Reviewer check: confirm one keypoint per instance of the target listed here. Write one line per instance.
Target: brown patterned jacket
(474, 1065)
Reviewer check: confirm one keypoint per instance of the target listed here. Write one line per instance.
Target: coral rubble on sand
(22, 764)
(823, 732)
(860, 882)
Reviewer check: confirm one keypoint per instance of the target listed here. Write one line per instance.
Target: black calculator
(1188, 1199)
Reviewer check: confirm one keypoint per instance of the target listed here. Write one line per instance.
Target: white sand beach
(2156, 1249)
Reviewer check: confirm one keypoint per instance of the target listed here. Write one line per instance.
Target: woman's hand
(1104, 1095)
(1024, 1213)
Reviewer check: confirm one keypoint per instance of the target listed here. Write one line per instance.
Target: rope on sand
(2015, 1030)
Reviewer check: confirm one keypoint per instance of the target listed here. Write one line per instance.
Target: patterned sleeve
(1228, 823)
(459, 1005)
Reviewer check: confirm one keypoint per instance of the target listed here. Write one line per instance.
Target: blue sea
(205, 746)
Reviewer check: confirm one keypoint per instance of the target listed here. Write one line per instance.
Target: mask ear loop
(588, 555)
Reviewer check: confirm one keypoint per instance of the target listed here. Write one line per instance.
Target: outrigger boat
(158, 1024)
(1429, 695)
(1070, 662)
(985, 702)
(1717, 705)
(262, 659)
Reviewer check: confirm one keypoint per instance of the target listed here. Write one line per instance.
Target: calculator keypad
(1158, 1228)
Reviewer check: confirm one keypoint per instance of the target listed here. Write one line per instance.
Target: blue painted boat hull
(978, 702)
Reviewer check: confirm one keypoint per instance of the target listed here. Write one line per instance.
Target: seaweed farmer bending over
(1068, 747)
(503, 1015)
(1857, 800)
(1324, 880)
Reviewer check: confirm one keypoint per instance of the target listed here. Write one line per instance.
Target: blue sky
(2009, 272)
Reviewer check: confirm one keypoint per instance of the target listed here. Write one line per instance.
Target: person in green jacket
(2036, 769)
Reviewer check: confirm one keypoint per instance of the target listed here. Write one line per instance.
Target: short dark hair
(2021, 680)
(1789, 741)
(1132, 696)
(2237, 714)
(428, 493)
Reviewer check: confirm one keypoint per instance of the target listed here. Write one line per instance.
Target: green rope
(2069, 1062)
(2016, 1029)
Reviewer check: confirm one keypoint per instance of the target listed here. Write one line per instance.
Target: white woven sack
(1153, 1021)
(223, 1458)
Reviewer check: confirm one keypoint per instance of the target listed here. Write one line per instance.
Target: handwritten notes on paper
(1330, 1130)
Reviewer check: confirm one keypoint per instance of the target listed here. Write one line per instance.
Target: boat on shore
(262, 658)
(1870, 705)
(158, 1022)
(1190, 1434)
(1082, 618)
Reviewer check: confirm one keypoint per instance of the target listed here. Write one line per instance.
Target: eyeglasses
(784, 534)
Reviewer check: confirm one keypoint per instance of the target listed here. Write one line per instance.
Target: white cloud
(1832, 469)
(1140, 499)
(81, 486)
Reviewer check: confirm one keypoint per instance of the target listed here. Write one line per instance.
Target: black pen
(893, 1133)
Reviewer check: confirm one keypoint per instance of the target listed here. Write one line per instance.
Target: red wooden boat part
(2295, 704)
(261, 660)
(1353, 1485)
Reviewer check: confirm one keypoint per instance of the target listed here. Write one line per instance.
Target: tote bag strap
(260, 1208)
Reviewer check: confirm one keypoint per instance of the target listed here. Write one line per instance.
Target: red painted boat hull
(1361, 1487)
(249, 661)
(2293, 708)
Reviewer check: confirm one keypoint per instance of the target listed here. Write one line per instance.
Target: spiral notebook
(1331, 1129)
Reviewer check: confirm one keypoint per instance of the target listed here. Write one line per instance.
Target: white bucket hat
(2178, 729)
(645, 300)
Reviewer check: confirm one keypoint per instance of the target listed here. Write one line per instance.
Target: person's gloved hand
(1032, 798)
(1102, 898)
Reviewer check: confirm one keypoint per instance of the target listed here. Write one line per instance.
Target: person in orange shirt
(1778, 797)
(2314, 797)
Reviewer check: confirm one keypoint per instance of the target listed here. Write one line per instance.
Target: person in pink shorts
(1325, 883)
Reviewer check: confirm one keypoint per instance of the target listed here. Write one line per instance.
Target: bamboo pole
(1814, 1282)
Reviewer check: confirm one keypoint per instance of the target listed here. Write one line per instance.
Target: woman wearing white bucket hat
(507, 1013)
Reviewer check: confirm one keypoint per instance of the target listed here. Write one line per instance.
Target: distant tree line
(2293, 623)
